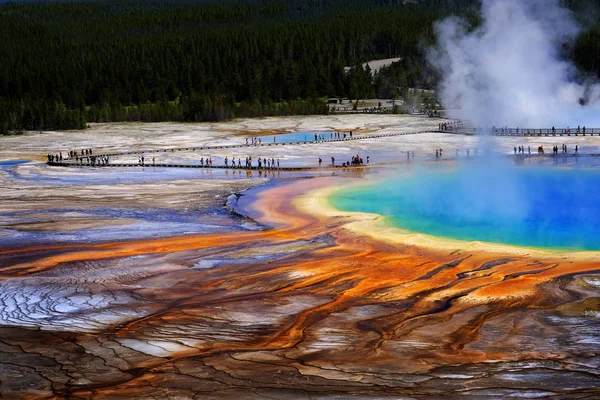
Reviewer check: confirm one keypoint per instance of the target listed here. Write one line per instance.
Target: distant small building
(421, 91)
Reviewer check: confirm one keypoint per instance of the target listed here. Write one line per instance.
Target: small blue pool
(296, 137)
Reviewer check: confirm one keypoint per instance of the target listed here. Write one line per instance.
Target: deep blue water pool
(524, 206)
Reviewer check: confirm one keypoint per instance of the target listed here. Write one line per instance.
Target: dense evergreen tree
(63, 64)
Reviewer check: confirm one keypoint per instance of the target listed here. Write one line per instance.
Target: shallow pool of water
(10, 163)
(296, 137)
(525, 206)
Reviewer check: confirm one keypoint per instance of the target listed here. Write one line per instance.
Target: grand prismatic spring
(323, 282)
(368, 256)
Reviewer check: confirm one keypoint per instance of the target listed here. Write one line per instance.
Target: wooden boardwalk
(271, 144)
(162, 165)
(314, 168)
(70, 162)
(544, 132)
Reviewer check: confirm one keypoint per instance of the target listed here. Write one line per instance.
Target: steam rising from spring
(509, 70)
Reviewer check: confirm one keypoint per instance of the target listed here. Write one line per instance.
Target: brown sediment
(361, 315)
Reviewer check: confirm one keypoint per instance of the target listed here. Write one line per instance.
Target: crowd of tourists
(257, 141)
(505, 130)
(55, 158)
(94, 160)
(355, 161)
(208, 162)
(520, 150)
(84, 157)
(564, 149)
(340, 135)
(451, 126)
(261, 163)
(567, 130)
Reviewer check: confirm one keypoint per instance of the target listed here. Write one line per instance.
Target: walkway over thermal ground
(270, 144)
(524, 131)
(88, 160)
(299, 168)
(189, 157)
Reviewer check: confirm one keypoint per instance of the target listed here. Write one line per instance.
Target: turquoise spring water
(525, 206)
(294, 137)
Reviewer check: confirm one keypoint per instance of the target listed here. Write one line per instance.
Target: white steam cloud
(509, 70)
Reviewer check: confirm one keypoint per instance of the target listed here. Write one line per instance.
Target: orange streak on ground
(461, 291)
(134, 248)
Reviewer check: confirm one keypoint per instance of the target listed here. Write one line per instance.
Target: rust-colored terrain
(307, 309)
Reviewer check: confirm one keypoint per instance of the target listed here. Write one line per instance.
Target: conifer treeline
(65, 64)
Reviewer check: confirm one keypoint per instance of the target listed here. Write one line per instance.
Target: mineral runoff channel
(120, 285)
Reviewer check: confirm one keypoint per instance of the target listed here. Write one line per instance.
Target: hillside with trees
(64, 64)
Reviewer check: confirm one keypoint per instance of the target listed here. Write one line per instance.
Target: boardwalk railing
(264, 169)
(526, 131)
(163, 165)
